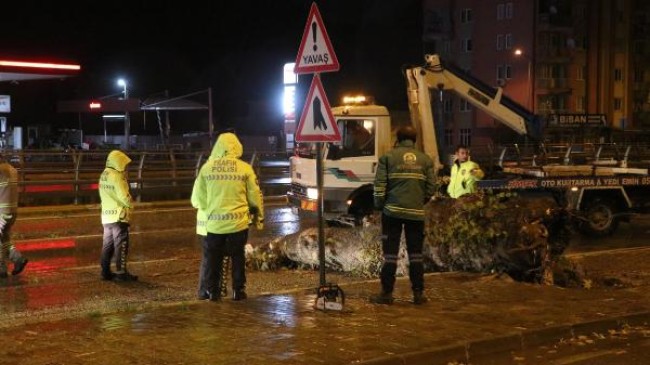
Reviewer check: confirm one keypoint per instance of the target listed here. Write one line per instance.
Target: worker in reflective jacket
(464, 174)
(116, 214)
(8, 213)
(227, 191)
(404, 183)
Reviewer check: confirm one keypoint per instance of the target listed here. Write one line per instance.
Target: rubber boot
(419, 298)
(19, 266)
(383, 298)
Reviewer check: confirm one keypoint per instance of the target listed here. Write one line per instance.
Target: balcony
(552, 85)
(558, 22)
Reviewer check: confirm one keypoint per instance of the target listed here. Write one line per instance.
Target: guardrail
(71, 177)
(600, 154)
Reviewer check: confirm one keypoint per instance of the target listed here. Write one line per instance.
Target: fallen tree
(483, 232)
(502, 233)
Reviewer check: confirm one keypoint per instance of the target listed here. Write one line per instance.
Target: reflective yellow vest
(462, 181)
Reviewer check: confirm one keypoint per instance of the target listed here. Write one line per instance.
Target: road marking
(136, 211)
(601, 252)
(93, 267)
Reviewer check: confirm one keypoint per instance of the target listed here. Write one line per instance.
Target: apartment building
(558, 58)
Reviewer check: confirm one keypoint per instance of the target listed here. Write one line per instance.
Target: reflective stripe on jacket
(114, 189)
(404, 182)
(226, 189)
(201, 223)
(462, 181)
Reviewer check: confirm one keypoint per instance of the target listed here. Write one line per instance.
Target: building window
(449, 137)
(446, 47)
(508, 41)
(465, 106)
(500, 11)
(618, 104)
(447, 105)
(580, 74)
(499, 42)
(618, 74)
(638, 75)
(639, 46)
(558, 71)
(465, 137)
(508, 71)
(580, 104)
(466, 16)
(509, 11)
(500, 73)
(579, 42)
(467, 45)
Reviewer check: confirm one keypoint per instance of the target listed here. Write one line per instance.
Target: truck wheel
(362, 206)
(601, 218)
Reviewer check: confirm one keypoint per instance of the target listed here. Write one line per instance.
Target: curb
(466, 352)
(94, 208)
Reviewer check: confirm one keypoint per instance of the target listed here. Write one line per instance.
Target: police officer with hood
(8, 213)
(116, 214)
(227, 191)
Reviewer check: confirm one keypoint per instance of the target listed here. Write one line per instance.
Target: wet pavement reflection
(158, 320)
(278, 329)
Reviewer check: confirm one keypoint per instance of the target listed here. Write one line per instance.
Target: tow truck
(603, 190)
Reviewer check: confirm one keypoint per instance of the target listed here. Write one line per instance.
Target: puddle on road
(283, 221)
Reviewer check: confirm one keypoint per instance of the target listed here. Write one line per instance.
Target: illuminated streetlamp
(520, 53)
(127, 121)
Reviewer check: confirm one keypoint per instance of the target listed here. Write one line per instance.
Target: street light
(520, 53)
(127, 121)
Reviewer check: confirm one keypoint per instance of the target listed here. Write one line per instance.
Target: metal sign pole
(321, 227)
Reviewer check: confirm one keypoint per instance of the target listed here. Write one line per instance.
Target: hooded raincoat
(114, 189)
(226, 189)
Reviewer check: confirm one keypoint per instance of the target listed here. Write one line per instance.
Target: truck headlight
(312, 193)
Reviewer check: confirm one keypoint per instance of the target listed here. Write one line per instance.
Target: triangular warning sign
(316, 53)
(317, 123)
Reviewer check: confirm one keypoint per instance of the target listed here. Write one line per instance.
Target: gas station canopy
(20, 70)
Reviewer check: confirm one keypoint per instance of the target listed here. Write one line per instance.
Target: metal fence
(71, 177)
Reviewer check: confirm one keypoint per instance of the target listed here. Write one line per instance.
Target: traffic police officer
(227, 190)
(116, 213)
(8, 213)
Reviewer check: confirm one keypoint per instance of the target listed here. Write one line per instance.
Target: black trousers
(391, 229)
(115, 244)
(215, 247)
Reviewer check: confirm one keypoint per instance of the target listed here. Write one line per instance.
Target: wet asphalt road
(64, 253)
(55, 242)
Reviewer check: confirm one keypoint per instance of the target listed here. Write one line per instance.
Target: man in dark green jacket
(404, 182)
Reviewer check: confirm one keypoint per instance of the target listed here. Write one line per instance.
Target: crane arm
(435, 75)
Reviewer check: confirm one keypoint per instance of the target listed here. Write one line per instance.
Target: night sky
(236, 47)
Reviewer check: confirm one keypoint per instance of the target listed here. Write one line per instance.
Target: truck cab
(349, 166)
